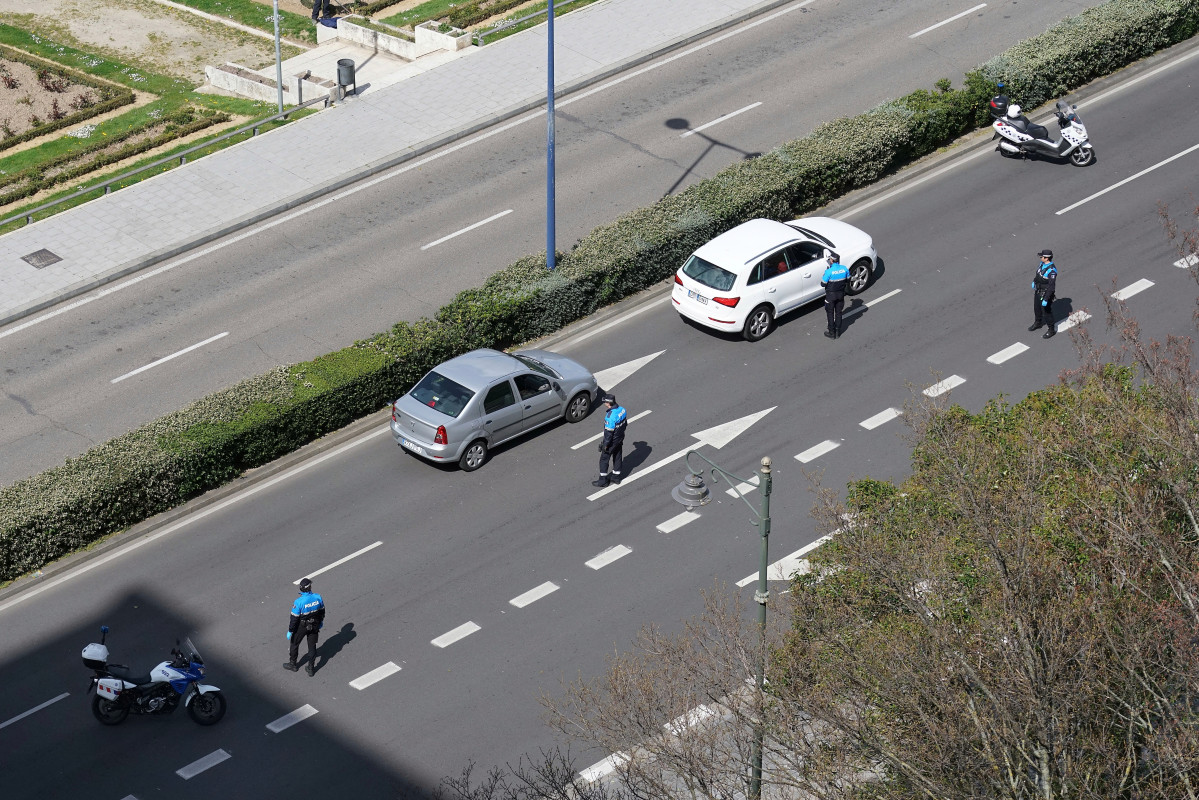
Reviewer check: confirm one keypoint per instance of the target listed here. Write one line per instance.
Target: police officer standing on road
(615, 421)
(307, 618)
(1044, 285)
(835, 277)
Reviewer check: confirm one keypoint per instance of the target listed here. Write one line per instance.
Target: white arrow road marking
(610, 377)
(813, 453)
(207, 762)
(718, 437)
(287, 720)
(880, 418)
(374, 676)
(608, 556)
(600, 435)
(1007, 353)
(693, 717)
(785, 567)
(676, 522)
(461, 632)
(1131, 289)
(338, 562)
(1077, 318)
(601, 768)
(534, 594)
(941, 387)
(718, 120)
(1189, 261)
(33, 710)
(165, 359)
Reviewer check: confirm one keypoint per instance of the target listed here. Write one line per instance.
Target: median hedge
(181, 455)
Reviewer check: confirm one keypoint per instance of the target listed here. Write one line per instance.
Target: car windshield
(709, 274)
(814, 236)
(439, 392)
(536, 366)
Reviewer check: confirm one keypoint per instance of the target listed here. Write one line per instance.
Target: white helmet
(828, 254)
(1013, 110)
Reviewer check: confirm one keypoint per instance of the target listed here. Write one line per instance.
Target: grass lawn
(256, 15)
(524, 12)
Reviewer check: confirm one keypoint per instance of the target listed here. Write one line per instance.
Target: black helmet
(608, 398)
(306, 585)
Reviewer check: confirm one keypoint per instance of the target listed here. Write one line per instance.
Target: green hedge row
(179, 456)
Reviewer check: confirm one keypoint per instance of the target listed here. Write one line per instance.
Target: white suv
(747, 277)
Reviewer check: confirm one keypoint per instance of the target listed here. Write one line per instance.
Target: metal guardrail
(181, 157)
(478, 37)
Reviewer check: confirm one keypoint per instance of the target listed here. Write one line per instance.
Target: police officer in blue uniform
(615, 421)
(307, 618)
(834, 281)
(1044, 285)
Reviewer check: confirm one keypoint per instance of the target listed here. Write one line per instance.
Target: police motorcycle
(167, 686)
(1018, 136)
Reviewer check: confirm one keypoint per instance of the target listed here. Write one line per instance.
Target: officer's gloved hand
(289, 636)
(600, 447)
(1044, 303)
(1032, 285)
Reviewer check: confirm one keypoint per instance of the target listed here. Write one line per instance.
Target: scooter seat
(1038, 132)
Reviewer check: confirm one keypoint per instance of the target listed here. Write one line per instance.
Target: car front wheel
(579, 407)
(759, 323)
(859, 276)
(474, 456)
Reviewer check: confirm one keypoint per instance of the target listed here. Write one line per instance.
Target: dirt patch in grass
(29, 97)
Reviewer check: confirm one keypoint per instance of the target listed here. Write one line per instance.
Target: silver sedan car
(466, 406)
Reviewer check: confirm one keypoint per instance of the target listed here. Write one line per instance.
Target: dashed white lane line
(608, 556)
(676, 522)
(812, 453)
(199, 765)
(873, 302)
(600, 435)
(1130, 178)
(468, 228)
(374, 676)
(941, 387)
(33, 710)
(1189, 261)
(1007, 353)
(165, 359)
(947, 21)
(788, 565)
(601, 768)
(338, 562)
(287, 720)
(881, 418)
(1131, 289)
(1077, 318)
(532, 596)
(457, 634)
(743, 488)
(719, 120)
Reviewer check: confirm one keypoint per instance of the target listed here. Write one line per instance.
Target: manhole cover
(41, 258)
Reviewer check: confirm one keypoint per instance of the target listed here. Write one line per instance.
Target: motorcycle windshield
(192, 651)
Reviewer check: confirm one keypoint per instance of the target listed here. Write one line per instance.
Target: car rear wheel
(859, 276)
(759, 323)
(580, 407)
(474, 456)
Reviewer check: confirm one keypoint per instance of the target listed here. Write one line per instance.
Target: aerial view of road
(455, 600)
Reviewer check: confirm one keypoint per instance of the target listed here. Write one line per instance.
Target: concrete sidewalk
(166, 215)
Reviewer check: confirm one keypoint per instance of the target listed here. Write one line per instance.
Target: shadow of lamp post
(692, 493)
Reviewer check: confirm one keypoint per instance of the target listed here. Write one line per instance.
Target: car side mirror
(557, 388)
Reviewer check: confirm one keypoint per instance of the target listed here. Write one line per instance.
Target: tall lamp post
(692, 493)
(550, 236)
(278, 58)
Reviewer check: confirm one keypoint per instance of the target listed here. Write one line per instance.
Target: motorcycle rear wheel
(108, 712)
(207, 709)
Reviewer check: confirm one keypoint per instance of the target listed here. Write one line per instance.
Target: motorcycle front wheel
(108, 712)
(207, 709)
(1082, 156)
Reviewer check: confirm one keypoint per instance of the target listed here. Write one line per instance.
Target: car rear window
(442, 394)
(709, 274)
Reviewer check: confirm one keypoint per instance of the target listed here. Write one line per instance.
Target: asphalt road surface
(428, 663)
(320, 277)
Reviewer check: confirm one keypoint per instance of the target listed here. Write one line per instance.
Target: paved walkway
(173, 212)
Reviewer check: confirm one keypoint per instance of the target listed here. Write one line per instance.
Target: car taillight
(393, 412)
(677, 279)
(731, 302)
(440, 437)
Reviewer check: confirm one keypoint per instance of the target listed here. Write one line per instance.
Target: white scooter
(1018, 136)
(167, 686)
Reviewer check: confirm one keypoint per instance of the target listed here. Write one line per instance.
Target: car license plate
(697, 296)
(416, 448)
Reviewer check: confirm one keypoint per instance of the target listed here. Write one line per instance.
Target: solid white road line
(287, 720)
(880, 418)
(718, 120)
(461, 632)
(533, 595)
(947, 21)
(1007, 353)
(678, 521)
(164, 360)
(374, 676)
(1146, 171)
(207, 762)
(338, 562)
(788, 565)
(941, 387)
(601, 768)
(1077, 318)
(33, 710)
(190, 518)
(812, 453)
(1131, 289)
(478, 224)
(874, 302)
(608, 556)
(743, 488)
(1190, 260)
(600, 435)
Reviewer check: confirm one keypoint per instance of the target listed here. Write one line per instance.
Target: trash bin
(345, 73)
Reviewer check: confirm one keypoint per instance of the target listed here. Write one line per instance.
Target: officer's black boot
(1049, 333)
(601, 481)
(310, 669)
(290, 666)
(1034, 326)
(829, 333)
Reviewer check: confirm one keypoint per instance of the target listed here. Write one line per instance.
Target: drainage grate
(41, 258)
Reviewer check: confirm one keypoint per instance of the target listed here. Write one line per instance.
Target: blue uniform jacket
(834, 281)
(615, 421)
(308, 609)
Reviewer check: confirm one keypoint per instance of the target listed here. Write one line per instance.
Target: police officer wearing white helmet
(834, 281)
